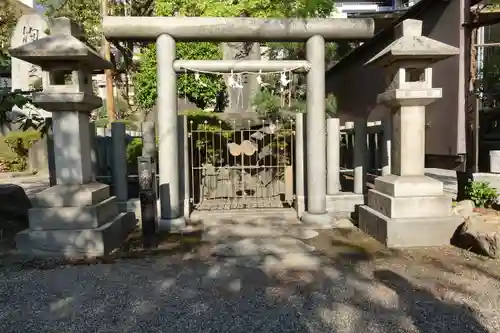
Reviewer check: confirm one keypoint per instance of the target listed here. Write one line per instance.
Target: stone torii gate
(165, 31)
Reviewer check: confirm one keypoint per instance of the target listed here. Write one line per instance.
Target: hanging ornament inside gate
(198, 79)
(260, 81)
(283, 85)
(235, 82)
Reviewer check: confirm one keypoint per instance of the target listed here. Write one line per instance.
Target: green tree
(88, 14)
(205, 94)
(9, 14)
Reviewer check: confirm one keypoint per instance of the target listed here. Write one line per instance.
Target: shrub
(20, 142)
(134, 150)
(481, 193)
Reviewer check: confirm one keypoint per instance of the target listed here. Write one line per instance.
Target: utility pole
(110, 98)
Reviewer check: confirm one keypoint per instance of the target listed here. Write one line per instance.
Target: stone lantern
(407, 208)
(77, 217)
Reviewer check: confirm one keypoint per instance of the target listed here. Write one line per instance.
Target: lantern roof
(411, 45)
(62, 46)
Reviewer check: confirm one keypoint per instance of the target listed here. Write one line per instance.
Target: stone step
(78, 243)
(217, 233)
(278, 264)
(262, 246)
(256, 217)
(86, 217)
(71, 195)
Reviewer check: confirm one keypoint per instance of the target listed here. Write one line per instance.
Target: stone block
(407, 232)
(300, 205)
(14, 203)
(410, 207)
(343, 204)
(480, 234)
(14, 206)
(62, 218)
(71, 195)
(408, 186)
(80, 243)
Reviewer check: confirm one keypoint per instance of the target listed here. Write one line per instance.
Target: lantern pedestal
(75, 221)
(408, 211)
(76, 218)
(407, 208)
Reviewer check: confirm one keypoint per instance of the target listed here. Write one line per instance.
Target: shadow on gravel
(418, 303)
(360, 287)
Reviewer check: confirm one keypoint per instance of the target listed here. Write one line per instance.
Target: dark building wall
(356, 87)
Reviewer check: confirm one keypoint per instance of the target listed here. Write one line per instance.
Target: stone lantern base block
(83, 217)
(77, 243)
(407, 232)
(408, 186)
(71, 195)
(410, 207)
(75, 221)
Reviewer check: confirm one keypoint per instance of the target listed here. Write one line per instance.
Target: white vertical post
(333, 156)
(149, 140)
(360, 155)
(386, 145)
(299, 164)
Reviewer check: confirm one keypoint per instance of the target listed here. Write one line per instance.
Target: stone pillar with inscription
(241, 101)
(77, 217)
(238, 110)
(29, 28)
(407, 208)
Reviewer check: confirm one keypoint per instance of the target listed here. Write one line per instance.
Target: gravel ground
(359, 288)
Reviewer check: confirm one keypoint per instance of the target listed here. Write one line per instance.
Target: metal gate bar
(241, 168)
